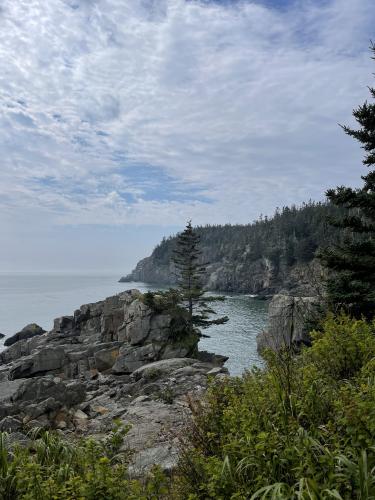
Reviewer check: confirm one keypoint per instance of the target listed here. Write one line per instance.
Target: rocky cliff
(259, 277)
(265, 257)
(115, 359)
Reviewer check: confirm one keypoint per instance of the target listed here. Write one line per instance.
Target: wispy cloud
(152, 111)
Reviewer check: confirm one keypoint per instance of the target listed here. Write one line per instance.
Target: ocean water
(39, 298)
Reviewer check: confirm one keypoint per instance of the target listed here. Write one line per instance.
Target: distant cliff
(265, 257)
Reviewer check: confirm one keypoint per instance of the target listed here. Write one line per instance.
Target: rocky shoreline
(259, 278)
(116, 359)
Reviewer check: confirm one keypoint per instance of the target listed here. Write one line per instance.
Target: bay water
(39, 298)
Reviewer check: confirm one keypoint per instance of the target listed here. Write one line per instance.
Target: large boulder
(63, 324)
(43, 361)
(19, 349)
(27, 332)
(106, 358)
(162, 368)
(133, 357)
(289, 322)
(36, 390)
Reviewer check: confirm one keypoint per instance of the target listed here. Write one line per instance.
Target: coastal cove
(39, 298)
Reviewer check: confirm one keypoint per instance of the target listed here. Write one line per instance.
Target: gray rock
(64, 324)
(2, 335)
(8, 389)
(132, 358)
(27, 332)
(209, 357)
(36, 410)
(42, 388)
(161, 368)
(19, 349)
(16, 439)
(165, 455)
(136, 326)
(215, 371)
(288, 321)
(77, 378)
(10, 424)
(43, 361)
(106, 358)
(178, 350)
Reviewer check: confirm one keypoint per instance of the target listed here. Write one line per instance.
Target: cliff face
(265, 257)
(259, 277)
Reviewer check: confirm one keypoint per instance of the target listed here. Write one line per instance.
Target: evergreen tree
(187, 258)
(351, 281)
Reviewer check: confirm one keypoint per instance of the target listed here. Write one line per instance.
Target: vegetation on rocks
(48, 467)
(265, 256)
(301, 428)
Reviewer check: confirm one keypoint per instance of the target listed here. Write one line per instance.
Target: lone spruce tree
(190, 272)
(351, 281)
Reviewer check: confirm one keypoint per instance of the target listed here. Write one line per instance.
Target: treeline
(293, 235)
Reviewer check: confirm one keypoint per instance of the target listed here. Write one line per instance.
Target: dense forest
(262, 257)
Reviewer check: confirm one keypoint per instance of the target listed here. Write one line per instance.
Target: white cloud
(237, 107)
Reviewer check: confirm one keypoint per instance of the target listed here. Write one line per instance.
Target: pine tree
(351, 281)
(187, 258)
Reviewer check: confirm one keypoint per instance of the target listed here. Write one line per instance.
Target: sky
(121, 119)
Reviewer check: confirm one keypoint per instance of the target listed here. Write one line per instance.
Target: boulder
(132, 358)
(2, 335)
(27, 332)
(63, 324)
(136, 325)
(10, 424)
(161, 368)
(165, 455)
(209, 357)
(19, 349)
(106, 358)
(39, 389)
(8, 388)
(289, 319)
(41, 362)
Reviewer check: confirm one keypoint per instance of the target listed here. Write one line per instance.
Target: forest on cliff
(259, 257)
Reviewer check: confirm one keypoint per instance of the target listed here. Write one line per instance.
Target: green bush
(303, 427)
(50, 468)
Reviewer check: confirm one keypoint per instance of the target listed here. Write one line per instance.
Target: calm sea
(35, 298)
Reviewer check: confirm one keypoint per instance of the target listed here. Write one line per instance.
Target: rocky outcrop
(259, 277)
(289, 322)
(114, 359)
(27, 332)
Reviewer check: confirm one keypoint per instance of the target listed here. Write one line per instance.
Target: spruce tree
(190, 270)
(351, 264)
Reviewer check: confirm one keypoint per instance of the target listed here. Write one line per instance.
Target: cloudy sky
(121, 119)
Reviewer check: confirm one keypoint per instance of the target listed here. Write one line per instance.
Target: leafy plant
(301, 428)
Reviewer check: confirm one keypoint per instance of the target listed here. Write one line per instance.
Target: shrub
(50, 468)
(303, 427)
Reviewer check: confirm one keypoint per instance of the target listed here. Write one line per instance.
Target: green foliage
(351, 283)
(301, 428)
(187, 258)
(168, 301)
(167, 395)
(291, 237)
(50, 468)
